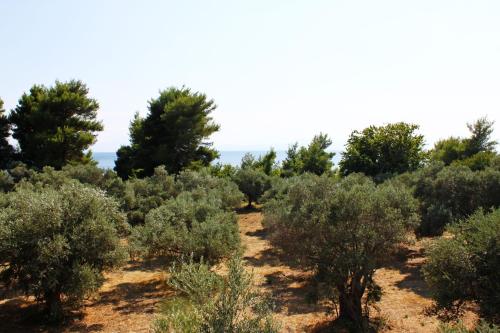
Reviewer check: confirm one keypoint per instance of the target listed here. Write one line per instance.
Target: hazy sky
(279, 71)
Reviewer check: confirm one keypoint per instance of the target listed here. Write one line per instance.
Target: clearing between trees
(127, 300)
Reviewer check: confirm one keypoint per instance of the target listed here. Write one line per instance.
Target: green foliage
(185, 225)
(265, 163)
(449, 150)
(6, 150)
(207, 302)
(252, 182)
(202, 184)
(447, 194)
(173, 134)
(143, 195)
(55, 125)
(222, 170)
(6, 181)
(465, 267)
(482, 327)
(477, 151)
(57, 243)
(478, 161)
(342, 230)
(381, 151)
(313, 159)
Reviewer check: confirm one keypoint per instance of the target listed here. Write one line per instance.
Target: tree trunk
(351, 311)
(54, 306)
(249, 202)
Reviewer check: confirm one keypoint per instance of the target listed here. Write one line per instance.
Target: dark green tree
(266, 163)
(6, 149)
(174, 133)
(383, 150)
(55, 125)
(476, 151)
(480, 139)
(313, 158)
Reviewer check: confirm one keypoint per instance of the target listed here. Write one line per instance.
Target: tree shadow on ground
(246, 209)
(409, 263)
(293, 294)
(130, 297)
(147, 265)
(21, 314)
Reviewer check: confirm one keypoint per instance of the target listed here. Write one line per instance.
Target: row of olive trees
(61, 229)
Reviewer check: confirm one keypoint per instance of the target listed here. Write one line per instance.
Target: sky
(280, 71)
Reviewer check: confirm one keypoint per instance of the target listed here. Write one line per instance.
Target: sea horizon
(106, 160)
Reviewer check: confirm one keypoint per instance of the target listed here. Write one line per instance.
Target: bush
(465, 267)
(448, 194)
(206, 302)
(143, 195)
(482, 327)
(56, 243)
(185, 225)
(201, 183)
(6, 181)
(342, 230)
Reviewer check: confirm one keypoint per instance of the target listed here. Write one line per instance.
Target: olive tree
(55, 244)
(188, 224)
(465, 267)
(208, 302)
(252, 182)
(342, 230)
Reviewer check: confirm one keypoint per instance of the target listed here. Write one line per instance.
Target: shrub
(465, 266)
(342, 230)
(206, 302)
(201, 183)
(6, 181)
(143, 195)
(448, 194)
(185, 225)
(482, 327)
(55, 244)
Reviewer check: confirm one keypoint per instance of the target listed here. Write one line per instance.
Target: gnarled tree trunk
(54, 306)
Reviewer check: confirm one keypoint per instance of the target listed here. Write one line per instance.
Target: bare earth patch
(125, 303)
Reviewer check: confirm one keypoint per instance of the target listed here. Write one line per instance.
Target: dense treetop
(174, 133)
(383, 150)
(475, 151)
(313, 159)
(55, 125)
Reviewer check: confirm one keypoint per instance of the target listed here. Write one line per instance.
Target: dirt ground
(128, 298)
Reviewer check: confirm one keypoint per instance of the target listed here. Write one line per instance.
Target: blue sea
(106, 160)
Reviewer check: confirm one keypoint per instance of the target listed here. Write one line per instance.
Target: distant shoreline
(106, 160)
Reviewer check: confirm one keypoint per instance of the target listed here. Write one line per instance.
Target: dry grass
(128, 298)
